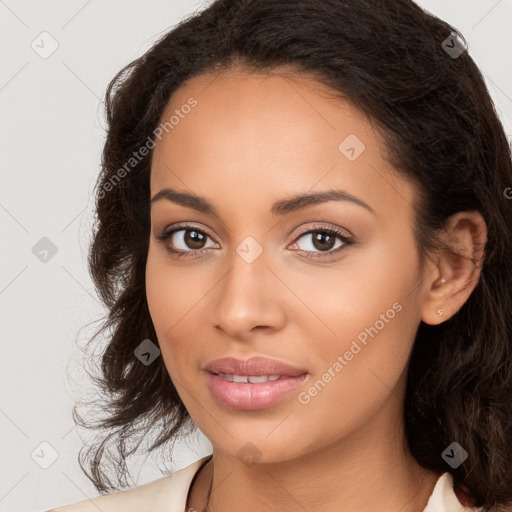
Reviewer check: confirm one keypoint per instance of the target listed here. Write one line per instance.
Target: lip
(252, 396)
(249, 396)
(253, 366)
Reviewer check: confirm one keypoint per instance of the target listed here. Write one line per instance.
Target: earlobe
(457, 272)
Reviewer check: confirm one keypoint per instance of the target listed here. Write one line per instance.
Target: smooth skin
(252, 140)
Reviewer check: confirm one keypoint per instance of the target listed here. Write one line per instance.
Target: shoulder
(164, 494)
(445, 498)
(131, 499)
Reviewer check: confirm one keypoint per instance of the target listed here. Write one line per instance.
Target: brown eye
(322, 242)
(194, 239)
(185, 241)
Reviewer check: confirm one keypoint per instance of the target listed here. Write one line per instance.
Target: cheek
(367, 310)
(371, 291)
(165, 302)
(174, 301)
(169, 291)
(158, 291)
(360, 370)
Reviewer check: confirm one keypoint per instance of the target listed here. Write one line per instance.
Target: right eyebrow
(282, 207)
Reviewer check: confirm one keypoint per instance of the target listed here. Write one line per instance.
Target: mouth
(250, 379)
(252, 392)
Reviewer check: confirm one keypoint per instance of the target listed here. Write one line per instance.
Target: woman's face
(252, 282)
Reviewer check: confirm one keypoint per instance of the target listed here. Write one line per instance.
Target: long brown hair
(391, 60)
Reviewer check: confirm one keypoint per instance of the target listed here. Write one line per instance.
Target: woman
(303, 241)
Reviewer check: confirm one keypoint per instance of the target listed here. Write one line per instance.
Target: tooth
(253, 379)
(257, 379)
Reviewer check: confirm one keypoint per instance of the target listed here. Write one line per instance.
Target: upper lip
(253, 366)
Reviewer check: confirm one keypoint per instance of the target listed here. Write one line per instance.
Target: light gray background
(51, 138)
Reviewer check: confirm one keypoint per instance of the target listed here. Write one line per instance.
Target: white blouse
(169, 494)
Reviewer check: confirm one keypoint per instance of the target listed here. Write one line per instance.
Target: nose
(249, 298)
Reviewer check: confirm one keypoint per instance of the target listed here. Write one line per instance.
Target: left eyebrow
(283, 207)
(300, 202)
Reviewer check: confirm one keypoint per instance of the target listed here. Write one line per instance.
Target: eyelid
(171, 229)
(347, 239)
(317, 226)
(323, 225)
(330, 255)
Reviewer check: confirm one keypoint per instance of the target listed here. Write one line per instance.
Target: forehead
(269, 136)
(262, 114)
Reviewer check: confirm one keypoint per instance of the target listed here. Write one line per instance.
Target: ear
(454, 277)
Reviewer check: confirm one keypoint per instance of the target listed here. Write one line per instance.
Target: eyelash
(195, 253)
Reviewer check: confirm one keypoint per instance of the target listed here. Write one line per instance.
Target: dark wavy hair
(442, 132)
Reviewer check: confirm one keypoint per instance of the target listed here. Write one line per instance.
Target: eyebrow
(283, 207)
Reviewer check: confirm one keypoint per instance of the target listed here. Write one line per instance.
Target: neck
(369, 470)
(320, 485)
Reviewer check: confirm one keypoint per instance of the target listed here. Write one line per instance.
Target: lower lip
(247, 396)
